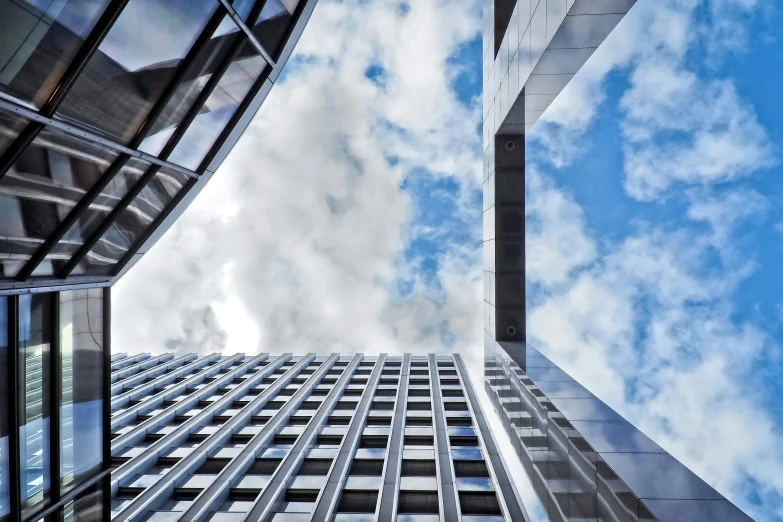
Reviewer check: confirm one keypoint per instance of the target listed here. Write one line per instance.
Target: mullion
(114, 169)
(55, 413)
(164, 154)
(15, 476)
(245, 29)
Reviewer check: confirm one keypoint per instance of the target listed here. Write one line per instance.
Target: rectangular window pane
(246, 66)
(4, 392)
(135, 63)
(272, 24)
(81, 345)
(34, 360)
(86, 507)
(131, 224)
(38, 41)
(40, 189)
(214, 54)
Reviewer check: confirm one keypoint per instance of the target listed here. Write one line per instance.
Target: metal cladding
(113, 116)
(584, 460)
(294, 438)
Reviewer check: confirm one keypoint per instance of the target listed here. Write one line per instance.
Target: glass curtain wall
(52, 393)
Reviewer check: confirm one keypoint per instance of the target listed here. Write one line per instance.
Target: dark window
(385, 392)
(345, 405)
(418, 468)
(452, 393)
(418, 440)
(463, 441)
(420, 372)
(367, 467)
(330, 439)
(418, 502)
(310, 405)
(470, 468)
(418, 421)
(315, 467)
(458, 421)
(418, 392)
(378, 421)
(455, 406)
(298, 421)
(382, 405)
(285, 438)
(301, 495)
(373, 441)
(264, 466)
(212, 466)
(339, 421)
(419, 406)
(475, 503)
(357, 502)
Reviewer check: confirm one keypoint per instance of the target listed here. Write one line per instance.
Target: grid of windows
(304, 443)
(104, 130)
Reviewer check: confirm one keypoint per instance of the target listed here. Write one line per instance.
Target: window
(378, 421)
(382, 405)
(357, 502)
(367, 467)
(315, 467)
(470, 468)
(34, 400)
(455, 406)
(373, 441)
(40, 43)
(213, 466)
(264, 466)
(418, 468)
(418, 502)
(479, 503)
(418, 440)
(419, 406)
(418, 421)
(4, 392)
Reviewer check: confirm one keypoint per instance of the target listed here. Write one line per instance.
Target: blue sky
(348, 218)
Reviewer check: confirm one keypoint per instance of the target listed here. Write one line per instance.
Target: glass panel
(4, 392)
(131, 224)
(34, 342)
(272, 24)
(246, 66)
(135, 63)
(243, 7)
(86, 507)
(38, 40)
(10, 127)
(93, 217)
(213, 55)
(40, 189)
(81, 344)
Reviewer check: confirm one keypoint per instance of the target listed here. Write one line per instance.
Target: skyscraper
(325, 438)
(114, 114)
(584, 460)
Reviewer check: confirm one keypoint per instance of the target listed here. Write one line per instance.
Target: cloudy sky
(348, 218)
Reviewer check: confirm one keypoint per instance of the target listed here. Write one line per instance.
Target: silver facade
(287, 438)
(584, 460)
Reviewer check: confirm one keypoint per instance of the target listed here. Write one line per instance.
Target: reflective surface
(39, 190)
(81, 346)
(131, 223)
(584, 460)
(135, 63)
(38, 41)
(4, 420)
(245, 67)
(271, 26)
(35, 337)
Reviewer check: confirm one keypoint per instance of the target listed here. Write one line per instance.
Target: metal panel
(446, 485)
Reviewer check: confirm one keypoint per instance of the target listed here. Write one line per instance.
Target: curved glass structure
(113, 115)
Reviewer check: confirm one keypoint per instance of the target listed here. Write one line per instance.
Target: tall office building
(287, 439)
(113, 116)
(584, 460)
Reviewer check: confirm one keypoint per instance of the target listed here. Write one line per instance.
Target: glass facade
(584, 460)
(345, 439)
(111, 111)
(54, 355)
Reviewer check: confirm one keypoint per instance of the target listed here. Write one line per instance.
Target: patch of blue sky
(466, 74)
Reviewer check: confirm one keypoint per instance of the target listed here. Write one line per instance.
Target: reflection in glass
(246, 66)
(81, 345)
(135, 63)
(211, 57)
(4, 392)
(272, 24)
(131, 223)
(86, 507)
(34, 404)
(38, 41)
(39, 190)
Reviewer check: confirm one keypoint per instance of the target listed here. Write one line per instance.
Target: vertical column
(509, 238)
(15, 488)
(443, 455)
(391, 475)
